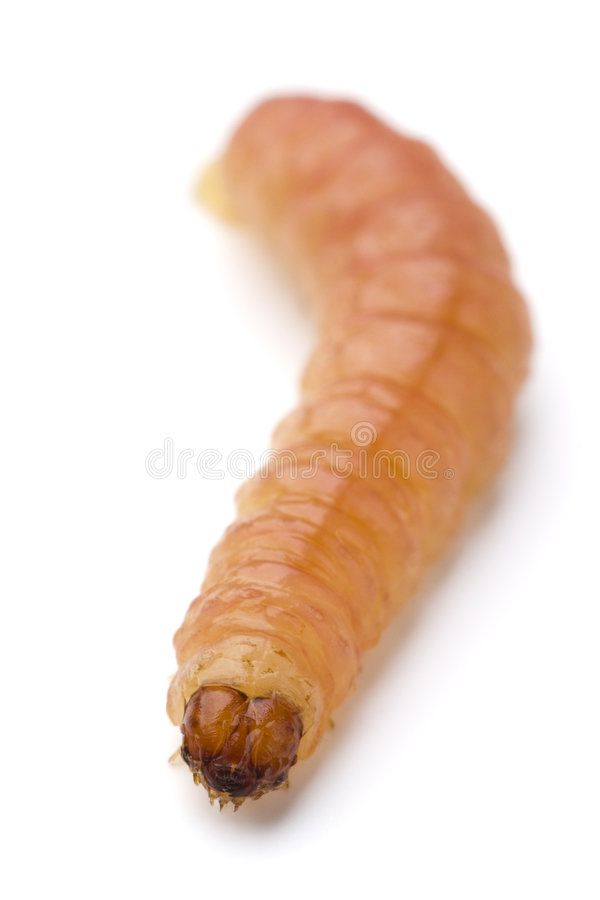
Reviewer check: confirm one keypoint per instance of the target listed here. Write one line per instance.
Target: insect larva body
(422, 344)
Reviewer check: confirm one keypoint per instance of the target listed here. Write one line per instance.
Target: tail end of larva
(210, 190)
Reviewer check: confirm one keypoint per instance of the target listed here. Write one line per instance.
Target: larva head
(238, 746)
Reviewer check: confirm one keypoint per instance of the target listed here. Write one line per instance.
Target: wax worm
(405, 415)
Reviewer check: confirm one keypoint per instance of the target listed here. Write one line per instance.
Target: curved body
(423, 342)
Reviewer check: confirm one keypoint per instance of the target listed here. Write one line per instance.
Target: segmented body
(423, 341)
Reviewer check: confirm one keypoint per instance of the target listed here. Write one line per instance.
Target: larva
(423, 342)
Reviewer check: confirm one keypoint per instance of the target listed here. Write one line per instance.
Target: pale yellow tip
(211, 191)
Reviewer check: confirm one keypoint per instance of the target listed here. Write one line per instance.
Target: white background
(466, 764)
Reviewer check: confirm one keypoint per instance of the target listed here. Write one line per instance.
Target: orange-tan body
(423, 342)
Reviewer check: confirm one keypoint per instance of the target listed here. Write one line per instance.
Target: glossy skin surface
(423, 341)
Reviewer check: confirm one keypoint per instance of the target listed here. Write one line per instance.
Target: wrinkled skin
(422, 344)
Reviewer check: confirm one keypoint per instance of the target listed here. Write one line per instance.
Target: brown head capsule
(239, 746)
